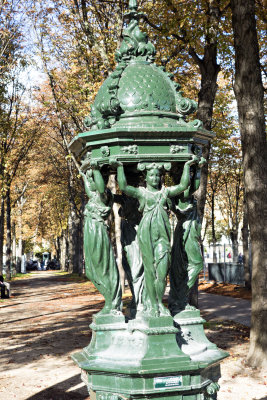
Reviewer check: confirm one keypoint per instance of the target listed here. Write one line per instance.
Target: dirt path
(47, 319)
(223, 308)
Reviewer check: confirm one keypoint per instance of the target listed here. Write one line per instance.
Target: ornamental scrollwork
(105, 151)
(174, 149)
(132, 149)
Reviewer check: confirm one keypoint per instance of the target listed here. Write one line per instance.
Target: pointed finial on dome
(135, 44)
(133, 5)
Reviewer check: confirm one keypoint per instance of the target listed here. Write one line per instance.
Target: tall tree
(9, 46)
(249, 93)
(75, 68)
(194, 29)
(231, 194)
(2, 223)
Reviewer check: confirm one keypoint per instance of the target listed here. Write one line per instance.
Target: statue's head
(153, 177)
(154, 172)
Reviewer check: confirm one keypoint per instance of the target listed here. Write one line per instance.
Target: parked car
(53, 264)
(32, 265)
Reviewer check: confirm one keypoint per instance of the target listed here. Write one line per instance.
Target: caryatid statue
(187, 259)
(154, 231)
(131, 255)
(100, 264)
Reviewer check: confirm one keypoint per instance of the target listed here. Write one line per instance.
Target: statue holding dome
(100, 264)
(154, 231)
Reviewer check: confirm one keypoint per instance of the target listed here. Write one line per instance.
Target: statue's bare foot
(189, 307)
(164, 311)
(154, 312)
(116, 312)
(105, 310)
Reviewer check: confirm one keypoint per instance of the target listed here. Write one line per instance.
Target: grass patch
(19, 276)
(61, 273)
(72, 277)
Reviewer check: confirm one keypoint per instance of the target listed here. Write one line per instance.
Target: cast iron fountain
(138, 128)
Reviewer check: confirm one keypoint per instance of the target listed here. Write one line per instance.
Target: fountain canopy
(139, 110)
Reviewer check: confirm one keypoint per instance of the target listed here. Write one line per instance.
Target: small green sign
(168, 382)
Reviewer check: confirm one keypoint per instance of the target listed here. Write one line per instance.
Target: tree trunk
(19, 253)
(81, 232)
(2, 225)
(74, 242)
(249, 94)
(14, 247)
(8, 235)
(57, 247)
(80, 245)
(209, 73)
(209, 70)
(193, 294)
(214, 253)
(245, 236)
(234, 240)
(63, 250)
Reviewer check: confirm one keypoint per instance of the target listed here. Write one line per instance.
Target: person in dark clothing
(3, 287)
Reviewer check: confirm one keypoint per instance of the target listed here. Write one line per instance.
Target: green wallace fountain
(138, 130)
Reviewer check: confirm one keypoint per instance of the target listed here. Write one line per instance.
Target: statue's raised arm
(185, 179)
(122, 182)
(87, 179)
(100, 185)
(195, 180)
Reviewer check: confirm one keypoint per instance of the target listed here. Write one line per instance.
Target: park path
(47, 319)
(225, 307)
(42, 324)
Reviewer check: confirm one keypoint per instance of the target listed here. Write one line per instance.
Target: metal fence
(223, 253)
(224, 263)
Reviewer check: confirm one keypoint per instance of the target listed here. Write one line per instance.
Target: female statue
(154, 229)
(131, 256)
(100, 264)
(187, 260)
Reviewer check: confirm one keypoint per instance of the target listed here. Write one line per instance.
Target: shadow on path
(225, 308)
(58, 391)
(54, 324)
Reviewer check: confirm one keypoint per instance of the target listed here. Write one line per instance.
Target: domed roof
(138, 93)
(145, 87)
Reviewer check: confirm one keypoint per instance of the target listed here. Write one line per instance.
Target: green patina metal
(98, 250)
(186, 260)
(154, 231)
(138, 128)
(139, 111)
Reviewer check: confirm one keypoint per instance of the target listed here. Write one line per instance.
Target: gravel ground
(47, 319)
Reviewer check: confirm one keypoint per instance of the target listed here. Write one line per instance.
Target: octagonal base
(141, 359)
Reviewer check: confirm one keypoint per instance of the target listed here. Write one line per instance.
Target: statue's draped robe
(100, 264)
(154, 230)
(187, 259)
